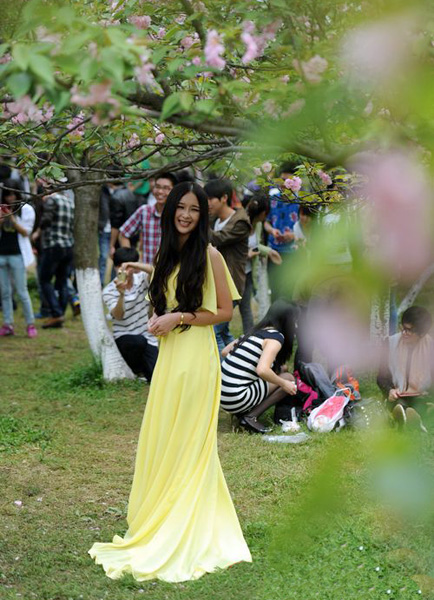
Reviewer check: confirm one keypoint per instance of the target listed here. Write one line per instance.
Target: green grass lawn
(343, 516)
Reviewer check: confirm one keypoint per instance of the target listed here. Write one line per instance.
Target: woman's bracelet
(181, 322)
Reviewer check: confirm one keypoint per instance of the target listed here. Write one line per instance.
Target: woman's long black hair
(281, 316)
(191, 257)
(14, 187)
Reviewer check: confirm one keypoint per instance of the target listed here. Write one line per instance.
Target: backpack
(294, 408)
(343, 378)
(330, 414)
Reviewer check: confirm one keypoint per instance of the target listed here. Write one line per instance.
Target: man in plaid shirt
(57, 227)
(147, 220)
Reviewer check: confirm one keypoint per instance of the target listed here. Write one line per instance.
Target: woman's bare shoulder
(214, 254)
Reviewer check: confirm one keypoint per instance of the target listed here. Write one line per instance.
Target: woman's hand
(275, 257)
(290, 387)
(393, 395)
(161, 326)
(252, 253)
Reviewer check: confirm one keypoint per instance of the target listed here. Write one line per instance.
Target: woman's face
(408, 334)
(187, 214)
(9, 197)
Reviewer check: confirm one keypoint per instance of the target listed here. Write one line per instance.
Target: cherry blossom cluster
(25, 110)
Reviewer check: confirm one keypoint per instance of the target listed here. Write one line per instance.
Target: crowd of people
(257, 231)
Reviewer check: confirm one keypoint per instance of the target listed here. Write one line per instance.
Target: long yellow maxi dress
(181, 519)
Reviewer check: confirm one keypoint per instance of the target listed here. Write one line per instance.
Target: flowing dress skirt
(181, 519)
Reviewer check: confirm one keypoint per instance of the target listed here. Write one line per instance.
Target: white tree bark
(380, 316)
(415, 290)
(100, 338)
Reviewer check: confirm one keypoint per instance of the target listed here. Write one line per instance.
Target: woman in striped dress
(252, 377)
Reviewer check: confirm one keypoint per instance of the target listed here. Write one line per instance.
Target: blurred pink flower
(293, 183)
(252, 49)
(159, 138)
(267, 167)
(325, 177)
(144, 73)
(99, 93)
(24, 110)
(376, 53)
(180, 19)
(187, 42)
(312, 69)
(78, 123)
(213, 50)
(134, 141)
(196, 61)
(397, 225)
(141, 22)
(284, 79)
(161, 33)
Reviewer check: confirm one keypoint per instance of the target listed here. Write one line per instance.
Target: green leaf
(205, 106)
(19, 84)
(3, 49)
(21, 54)
(171, 105)
(112, 63)
(42, 67)
(174, 64)
(158, 54)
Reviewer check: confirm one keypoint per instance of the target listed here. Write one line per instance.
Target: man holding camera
(125, 297)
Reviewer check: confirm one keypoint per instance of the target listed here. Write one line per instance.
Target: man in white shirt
(125, 297)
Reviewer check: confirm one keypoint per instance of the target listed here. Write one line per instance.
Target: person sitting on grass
(253, 377)
(125, 298)
(407, 373)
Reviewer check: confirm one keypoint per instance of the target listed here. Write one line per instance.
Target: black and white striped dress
(242, 388)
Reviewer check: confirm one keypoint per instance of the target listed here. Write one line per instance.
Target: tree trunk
(100, 338)
(380, 316)
(415, 290)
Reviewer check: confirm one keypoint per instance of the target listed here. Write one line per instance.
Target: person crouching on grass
(253, 377)
(125, 298)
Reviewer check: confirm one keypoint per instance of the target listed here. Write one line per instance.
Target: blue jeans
(104, 248)
(223, 336)
(12, 268)
(56, 262)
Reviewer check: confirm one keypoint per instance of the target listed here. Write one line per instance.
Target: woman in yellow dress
(181, 519)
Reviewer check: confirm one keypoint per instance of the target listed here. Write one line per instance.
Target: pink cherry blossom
(312, 69)
(24, 110)
(293, 184)
(377, 52)
(187, 42)
(249, 27)
(141, 22)
(267, 167)
(99, 93)
(77, 122)
(134, 141)
(252, 49)
(295, 107)
(159, 138)
(325, 177)
(144, 73)
(398, 221)
(213, 50)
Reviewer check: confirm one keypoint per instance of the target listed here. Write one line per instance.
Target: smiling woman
(181, 519)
